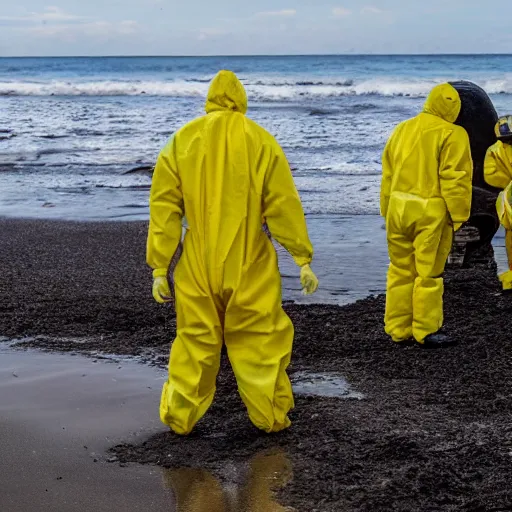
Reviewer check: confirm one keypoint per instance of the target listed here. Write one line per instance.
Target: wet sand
(431, 430)
(58, 416)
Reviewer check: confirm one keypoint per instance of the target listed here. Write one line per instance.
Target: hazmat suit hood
(444, 102)
(226, 93)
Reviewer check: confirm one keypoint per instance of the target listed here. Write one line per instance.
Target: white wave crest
(261, 90)
(103, 88)
(498, 85)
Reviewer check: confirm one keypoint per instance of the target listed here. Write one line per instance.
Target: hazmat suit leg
(506, 277)
(398, 316)
(195, 354)
(419, 237)
(504, 210)
(259, 338)
(432, 244)
(400, 282)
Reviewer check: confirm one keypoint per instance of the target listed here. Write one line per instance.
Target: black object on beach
(478, 117)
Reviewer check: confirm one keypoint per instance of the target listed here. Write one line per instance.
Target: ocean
(70, 128)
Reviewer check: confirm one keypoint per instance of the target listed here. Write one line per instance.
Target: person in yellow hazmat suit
(498, 173)
(425, 195)
(229, 177)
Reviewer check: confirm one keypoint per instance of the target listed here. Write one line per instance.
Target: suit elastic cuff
(300, 262)
(159, 272)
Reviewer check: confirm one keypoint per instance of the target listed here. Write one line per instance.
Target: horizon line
(347, 54)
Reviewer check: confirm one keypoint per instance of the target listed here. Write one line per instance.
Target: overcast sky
(201, 27)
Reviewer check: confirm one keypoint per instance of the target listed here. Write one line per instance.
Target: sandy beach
(422, 430)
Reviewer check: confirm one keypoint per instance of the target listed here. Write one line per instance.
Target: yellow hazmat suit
(498, 165)
(228, 174)
(498, 173)
(426, 192)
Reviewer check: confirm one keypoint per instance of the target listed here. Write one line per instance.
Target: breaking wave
(271, 90)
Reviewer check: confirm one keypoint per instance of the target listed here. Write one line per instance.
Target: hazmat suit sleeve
(282, 209)
(456, 175)
(495, 173)
(165, 210)
(387, 176)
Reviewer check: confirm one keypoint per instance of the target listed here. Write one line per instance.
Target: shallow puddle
(323, 384)
(58, 416)
(197, 490)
